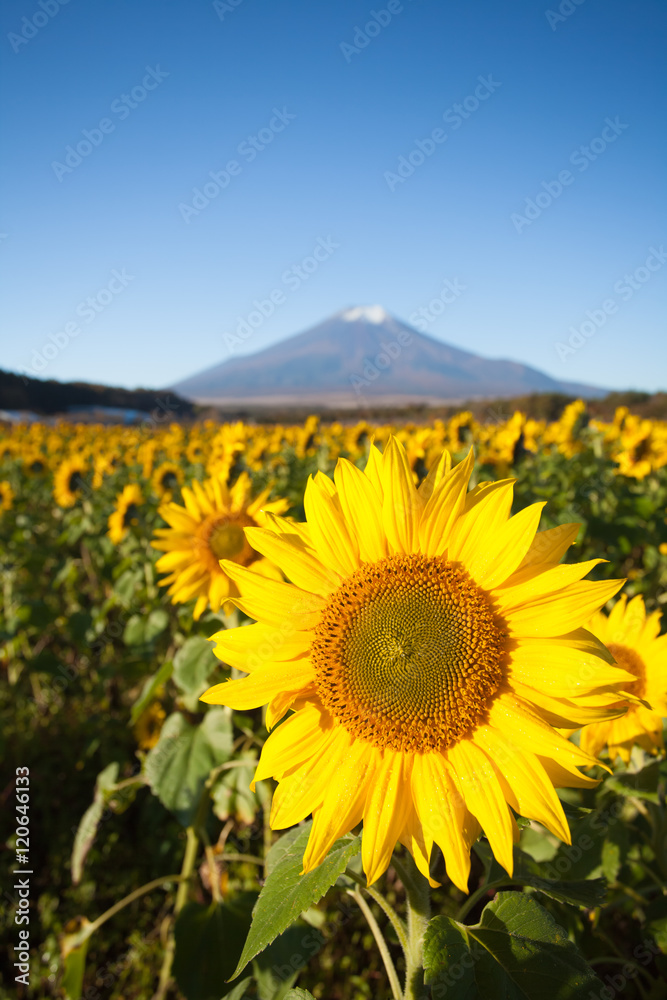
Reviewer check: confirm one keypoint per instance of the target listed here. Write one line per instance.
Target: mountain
(364, 355)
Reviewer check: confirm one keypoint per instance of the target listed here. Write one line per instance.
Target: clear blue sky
(183, 85)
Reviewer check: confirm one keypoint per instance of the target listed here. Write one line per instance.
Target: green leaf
(151, 685)
(286, 892)
(87, 830)
(543, 877)
(516, 951)
(239, 992)
(298, 994)
(231, 794)
(208, 942)
(640, 784)
(193, 664)
(278, 966)
(127, 584)
(142, 629)
(179, 764)
(74, 948)
(656, 922)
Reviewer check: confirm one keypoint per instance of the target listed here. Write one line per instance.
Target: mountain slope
(365, 353)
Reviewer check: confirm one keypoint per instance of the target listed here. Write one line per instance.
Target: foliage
(135, 782)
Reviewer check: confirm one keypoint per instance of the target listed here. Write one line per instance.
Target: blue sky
(116, 271)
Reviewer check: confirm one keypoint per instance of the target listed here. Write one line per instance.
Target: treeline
(50, 398)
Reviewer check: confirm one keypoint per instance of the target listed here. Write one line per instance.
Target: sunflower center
(74, 482)
(633, 663)
(223, 538)
(169, 481)
(409, 653)
(130, 514)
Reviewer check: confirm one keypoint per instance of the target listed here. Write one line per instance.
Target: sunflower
(68, 481)
(34, 462)
(125, 512)
(6, 495)
(208, 529)
(428, 645)
(166, 478)
(148, 726)
(633, 639)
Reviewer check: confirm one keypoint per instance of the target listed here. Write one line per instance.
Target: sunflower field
(334, 711)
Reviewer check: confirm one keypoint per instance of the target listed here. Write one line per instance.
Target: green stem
(187, 869)
(419, 912)
(478, 894)
(380, 942)
(390, 912)
(121, 904)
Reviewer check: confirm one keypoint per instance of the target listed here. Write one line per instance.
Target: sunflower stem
(392, 975)
(390, 912)
(419, 912)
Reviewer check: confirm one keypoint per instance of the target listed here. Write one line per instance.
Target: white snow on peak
(372, 314)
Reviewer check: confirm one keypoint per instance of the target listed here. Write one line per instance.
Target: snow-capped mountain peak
(372, 314)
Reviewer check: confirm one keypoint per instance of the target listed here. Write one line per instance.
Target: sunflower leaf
(90, 821)
(208, 942)
(142, 629)
(545, 877)
(517, 950)
(151, 685)
(193, 664)
(181, 761)
(287, 893)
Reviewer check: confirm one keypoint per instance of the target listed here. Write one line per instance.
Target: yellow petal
(271, 601)
(443, 508)
(442, 811)
(529, 789)
(362, 509)
(484, 798)
(331, 538)
(555, 614)
(402, 505)
(294, 741)
(302, 568)
(491, 564)
(298, 794)
(256, 646)
(260, 686)
(548, 547)
(343, 807)
(481, 521)
(387, 808)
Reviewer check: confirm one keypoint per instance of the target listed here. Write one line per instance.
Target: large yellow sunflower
(633, 639)
(428, 645)
(208, 529)
(125, 512)
(68, 481)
